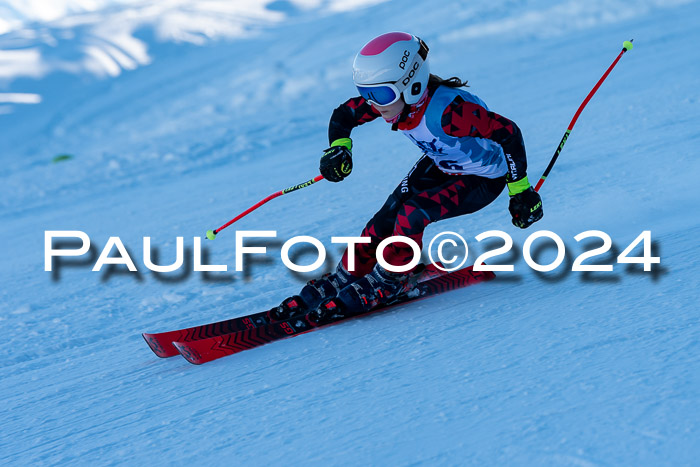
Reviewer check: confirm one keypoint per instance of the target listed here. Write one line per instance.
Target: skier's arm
(463, 118)
(336, 162)
(354, 112)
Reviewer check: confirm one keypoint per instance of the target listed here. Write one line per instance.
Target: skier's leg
(424, 175)
(457, 196)
(463, 194)
(420, 177)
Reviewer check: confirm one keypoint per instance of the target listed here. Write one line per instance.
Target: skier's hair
(454, 82)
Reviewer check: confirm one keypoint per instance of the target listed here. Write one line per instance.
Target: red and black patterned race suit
(459, 119)
(428, 194)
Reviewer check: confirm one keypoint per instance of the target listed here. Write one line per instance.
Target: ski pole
(211, 234)
(627, 45)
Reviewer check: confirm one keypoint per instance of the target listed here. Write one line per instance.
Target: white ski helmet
(390, 65)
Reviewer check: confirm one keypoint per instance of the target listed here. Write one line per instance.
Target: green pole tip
(211, 235)
(627, 45)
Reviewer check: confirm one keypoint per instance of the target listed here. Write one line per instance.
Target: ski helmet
(390, 65)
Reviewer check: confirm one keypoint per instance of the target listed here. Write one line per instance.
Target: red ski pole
(627, 45)
(211, 234)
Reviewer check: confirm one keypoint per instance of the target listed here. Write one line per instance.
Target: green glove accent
(347, 142)
(518, 187)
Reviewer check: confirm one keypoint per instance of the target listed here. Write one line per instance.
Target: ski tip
(188, 353)
(155, 346)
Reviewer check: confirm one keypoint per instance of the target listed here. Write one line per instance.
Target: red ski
(161, 343)
(205, 350)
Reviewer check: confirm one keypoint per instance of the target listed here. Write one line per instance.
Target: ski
(161, 343)
(208, 349)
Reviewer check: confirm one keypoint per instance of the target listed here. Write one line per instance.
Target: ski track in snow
(565, 369)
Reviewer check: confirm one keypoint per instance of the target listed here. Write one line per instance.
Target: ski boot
(289, 307)
(314, 292)
(376, 288)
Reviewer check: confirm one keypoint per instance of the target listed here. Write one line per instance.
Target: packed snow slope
(560, 368)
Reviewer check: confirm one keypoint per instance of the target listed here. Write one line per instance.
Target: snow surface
(559, 368)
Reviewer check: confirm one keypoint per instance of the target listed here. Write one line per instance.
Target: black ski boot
(328, 311)
(314, 292)
(376, 288)
(289, 307)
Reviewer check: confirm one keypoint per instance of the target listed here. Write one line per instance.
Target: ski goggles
(380, 94)
(387, 93)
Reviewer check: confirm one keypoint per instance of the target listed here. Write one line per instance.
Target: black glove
(526, 208)
(336, 163)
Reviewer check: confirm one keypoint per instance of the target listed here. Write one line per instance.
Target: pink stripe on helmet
(381, 43)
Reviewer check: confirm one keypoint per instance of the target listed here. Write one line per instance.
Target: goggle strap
(423, 50)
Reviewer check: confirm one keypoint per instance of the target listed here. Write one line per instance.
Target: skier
(469, 155)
